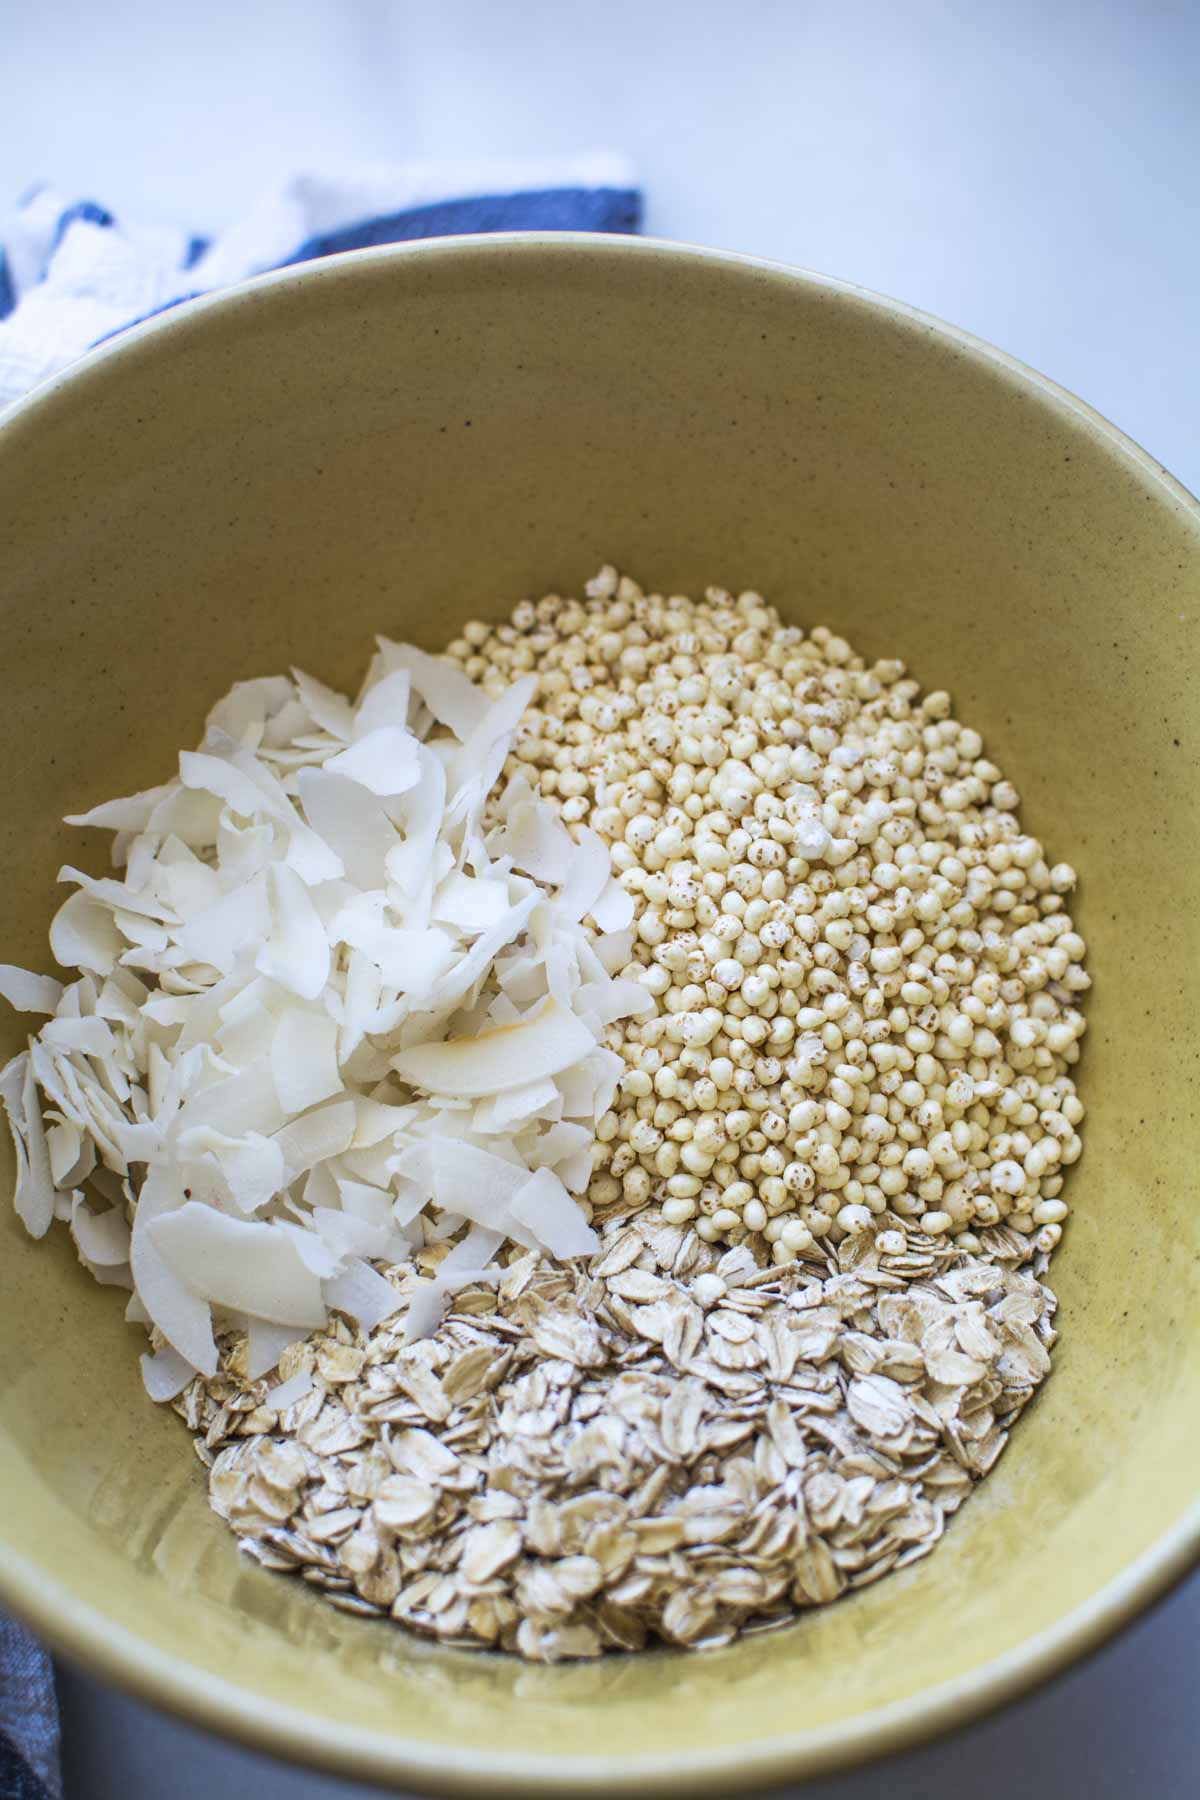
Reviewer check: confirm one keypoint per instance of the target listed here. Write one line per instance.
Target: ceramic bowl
(401, 439)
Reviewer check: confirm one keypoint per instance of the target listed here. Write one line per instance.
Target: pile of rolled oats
(827, 1189)
(670, 1443)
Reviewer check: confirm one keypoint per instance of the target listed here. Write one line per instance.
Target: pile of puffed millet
(867, 981)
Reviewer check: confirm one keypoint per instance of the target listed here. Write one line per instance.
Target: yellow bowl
(400, 439)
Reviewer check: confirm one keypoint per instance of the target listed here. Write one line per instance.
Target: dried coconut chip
(29, 993)
(275, 950)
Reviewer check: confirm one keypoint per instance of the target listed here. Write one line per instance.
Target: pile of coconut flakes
(324, 1014)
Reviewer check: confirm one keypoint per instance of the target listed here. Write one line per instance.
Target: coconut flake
(538, 842)
(288, 1392)
(131, 814)
(351, 822)
(610, 1000)
(239, 921)
(613, 949)
(385, 702)
(509, 1111)
(171, 1303)
(252, 1167)
(613, 911)
(165, 1374)
(83, 936)
(556, 1221)
(304, 1065)
(385, 761)
(588, 874)
(450, 696)
(250, 1267)
(469, 903)
(34, 1195)
(30, 993)
(315, 1137)
(466, 1180)
(266, 1343)
(297, 955)
(508, 1057)
(331, 711)
(99, 1237)
(245, 1102)
(426, 1309)
(421, 816)
(248, 705)
(90, 1037)
(363, 1294)
(468, 1257)
(497, 723)
(296, 952)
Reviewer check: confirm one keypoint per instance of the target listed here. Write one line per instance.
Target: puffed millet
(866, 983)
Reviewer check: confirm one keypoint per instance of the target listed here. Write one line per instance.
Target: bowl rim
(118, 1654)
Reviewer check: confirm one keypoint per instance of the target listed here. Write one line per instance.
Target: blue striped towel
(71, 276)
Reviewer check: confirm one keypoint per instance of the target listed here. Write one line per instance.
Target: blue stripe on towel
(8, 291)
(86, 210)
(549, 209)
(553, 209)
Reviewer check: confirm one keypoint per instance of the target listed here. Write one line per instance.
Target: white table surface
(1027, 170)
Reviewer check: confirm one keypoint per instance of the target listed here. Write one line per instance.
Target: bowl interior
(401, 440)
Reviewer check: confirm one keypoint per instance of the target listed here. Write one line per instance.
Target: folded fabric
(72, 275)
(29, 1763)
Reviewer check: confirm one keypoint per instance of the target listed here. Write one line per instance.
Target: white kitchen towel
(72, 275)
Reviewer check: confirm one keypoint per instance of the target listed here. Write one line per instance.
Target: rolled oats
(669, 1443)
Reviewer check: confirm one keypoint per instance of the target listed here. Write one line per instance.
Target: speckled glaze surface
(400, 439)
